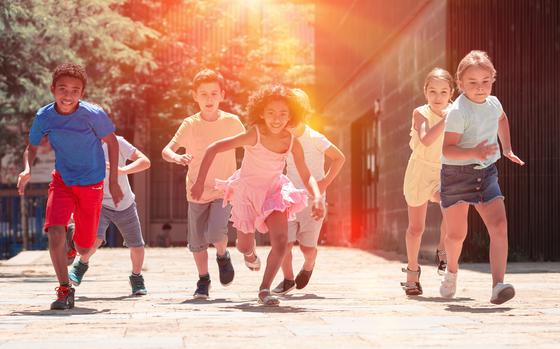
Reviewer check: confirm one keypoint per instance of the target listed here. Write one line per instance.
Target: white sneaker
(448, 285)
(502, 293)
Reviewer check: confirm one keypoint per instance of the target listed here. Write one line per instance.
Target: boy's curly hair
(70, 69)
(273, 92)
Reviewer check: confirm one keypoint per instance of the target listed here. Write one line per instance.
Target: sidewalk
(353, 301)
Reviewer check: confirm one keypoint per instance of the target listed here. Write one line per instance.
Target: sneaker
(226, 269)
(137, 284)
(448, 285)
(77, 272)
(202, 289)
(284, 287)
(502, 293)
(64, 298)
(302, 278)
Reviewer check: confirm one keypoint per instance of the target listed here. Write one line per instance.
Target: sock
(204, 277)
(134, 274)
(84, 263)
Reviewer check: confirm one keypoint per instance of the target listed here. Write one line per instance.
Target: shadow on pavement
(60, 313)
(90, 299)
(206, 301)
(257, 308)
(476, 310)
(440, 299)
(307, 296)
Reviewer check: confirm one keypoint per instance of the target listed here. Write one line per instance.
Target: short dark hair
(273, 92)
(208, 75)
(70, 69)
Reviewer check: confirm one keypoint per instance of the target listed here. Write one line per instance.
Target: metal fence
(12, 237)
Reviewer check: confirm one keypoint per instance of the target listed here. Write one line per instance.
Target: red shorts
(82, 200)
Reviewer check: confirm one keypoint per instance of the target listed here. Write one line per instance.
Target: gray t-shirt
(125, 152)
(476, 122)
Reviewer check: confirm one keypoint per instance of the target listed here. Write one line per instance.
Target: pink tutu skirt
(253, 201)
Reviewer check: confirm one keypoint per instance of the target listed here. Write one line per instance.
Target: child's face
(438, 92)
(276, 116)
(209, 95)
(476, 83)
(67, 92)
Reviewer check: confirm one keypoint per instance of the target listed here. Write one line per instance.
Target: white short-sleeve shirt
(125, 153)
(476, 122)
(314, 146)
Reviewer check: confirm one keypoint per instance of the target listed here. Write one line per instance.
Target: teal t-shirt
(476, 122)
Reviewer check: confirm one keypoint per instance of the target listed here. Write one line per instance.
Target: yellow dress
(422, 176)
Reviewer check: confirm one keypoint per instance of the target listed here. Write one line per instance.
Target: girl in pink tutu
(262, 197)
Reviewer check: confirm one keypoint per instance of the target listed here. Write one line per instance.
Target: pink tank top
(261, 165)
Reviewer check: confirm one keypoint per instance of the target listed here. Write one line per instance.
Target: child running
(422, 176)
(469, 175)
(262, 197)
(75, 130)
(124, 216)
(305, 229)
(207, 216)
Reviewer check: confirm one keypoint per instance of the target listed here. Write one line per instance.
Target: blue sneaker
(137, 284)
(77, 272)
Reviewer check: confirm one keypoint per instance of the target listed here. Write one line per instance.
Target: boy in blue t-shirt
(75, 129)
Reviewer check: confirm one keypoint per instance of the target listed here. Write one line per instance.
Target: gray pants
(208, 224)
(126, 220)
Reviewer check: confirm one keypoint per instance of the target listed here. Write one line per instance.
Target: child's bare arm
(140, 162)
(505, 139)
(113, 151)
(308, 180)
(28, 158)
(242, 139)
(337, 160)
(426, 134)
(169, 154)
(451, 150)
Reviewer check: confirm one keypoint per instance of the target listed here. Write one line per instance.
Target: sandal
(266, 299)
(412, 288)
(441, 261)
(253, 265)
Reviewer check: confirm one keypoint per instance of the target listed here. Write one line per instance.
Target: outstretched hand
(23, 178)
(514, 158)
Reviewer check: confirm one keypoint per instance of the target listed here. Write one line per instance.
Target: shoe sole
(140, 293)
(75, 283)
(504, 296)
(200, 296)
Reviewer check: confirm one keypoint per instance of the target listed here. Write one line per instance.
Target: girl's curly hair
(273, 92)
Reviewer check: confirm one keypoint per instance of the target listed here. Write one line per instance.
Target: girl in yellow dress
(422, 177)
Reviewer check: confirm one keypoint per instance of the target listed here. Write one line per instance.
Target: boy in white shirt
(305, 229)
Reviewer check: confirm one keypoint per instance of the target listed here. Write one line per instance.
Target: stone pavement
(353, 301)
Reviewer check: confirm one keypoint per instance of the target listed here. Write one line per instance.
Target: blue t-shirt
(76, 141)
(476, 122)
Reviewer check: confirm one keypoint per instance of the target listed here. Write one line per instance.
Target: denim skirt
(467, 184)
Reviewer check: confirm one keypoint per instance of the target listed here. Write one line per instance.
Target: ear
(52, 89)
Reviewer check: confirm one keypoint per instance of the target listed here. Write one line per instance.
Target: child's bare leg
(201, 261)
(221, 247)
(441, 245)
(494, 216)
(246, 245)
(57, 251)
(416, 224)
(310, 255)
(137, 259)
(456, 219)
(277, 224)
(287, 268)
(84, 258)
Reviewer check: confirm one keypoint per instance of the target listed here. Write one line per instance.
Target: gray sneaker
(137, 284)
(77, 272)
